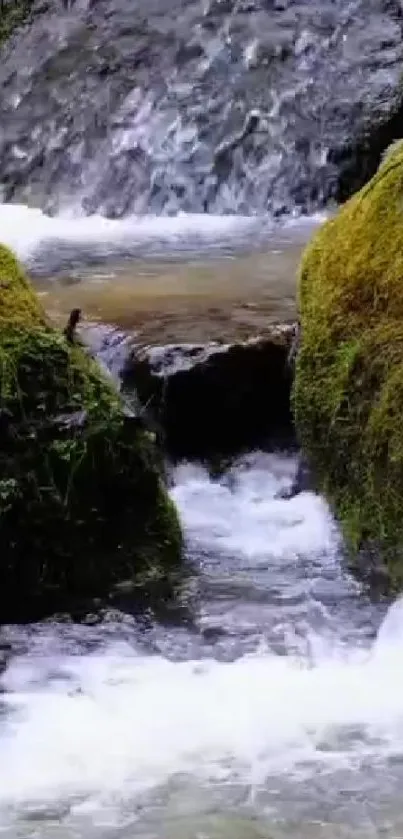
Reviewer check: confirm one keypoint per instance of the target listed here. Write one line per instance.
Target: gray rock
(121, 105)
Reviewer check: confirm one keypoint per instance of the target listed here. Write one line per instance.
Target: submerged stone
(348, 394)
(82, 501)
(216, 399)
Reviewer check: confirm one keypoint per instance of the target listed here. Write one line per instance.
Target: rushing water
(278, 713)
(278, 710)
(67, 243)
(239, 106)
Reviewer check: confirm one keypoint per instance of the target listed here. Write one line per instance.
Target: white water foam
(246, 513)
(30, 233)
(27, 229)
(134, 722)
(112, 725)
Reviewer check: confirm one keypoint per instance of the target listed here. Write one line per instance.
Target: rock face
(215, 398)
(82, 503)
(239, 106)
(348, 396)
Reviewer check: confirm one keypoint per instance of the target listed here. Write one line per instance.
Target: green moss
(348, 392)
(82, 502)
(12, 14)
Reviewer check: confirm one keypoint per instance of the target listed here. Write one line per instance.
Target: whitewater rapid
(287, 683)
(278, 710)
(49, 244)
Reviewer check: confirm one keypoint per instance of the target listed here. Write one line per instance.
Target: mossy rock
(348, 391)
(82, 502)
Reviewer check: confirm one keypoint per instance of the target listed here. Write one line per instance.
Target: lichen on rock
(13, 13)
(82, 501)
(348, 391)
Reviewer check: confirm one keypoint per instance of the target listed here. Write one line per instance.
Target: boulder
(82, 501)
(216, 399)
(348, 393)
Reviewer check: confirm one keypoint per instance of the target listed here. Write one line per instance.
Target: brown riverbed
(200, 300)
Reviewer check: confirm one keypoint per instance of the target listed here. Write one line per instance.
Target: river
(187, 278)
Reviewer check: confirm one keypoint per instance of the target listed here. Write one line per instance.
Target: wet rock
(303, 481)
(211, 399)
(125, 111)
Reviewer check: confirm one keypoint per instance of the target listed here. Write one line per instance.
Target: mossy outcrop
(348, 392)
(82, 502)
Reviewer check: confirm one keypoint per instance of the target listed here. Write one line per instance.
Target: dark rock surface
(215, 399)
(122, 106)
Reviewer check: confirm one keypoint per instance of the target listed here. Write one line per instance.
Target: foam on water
(26, 230)
(135, 722)
(41, 240)
(246, 513)
(111, 725)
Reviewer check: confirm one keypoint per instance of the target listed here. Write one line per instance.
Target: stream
(278, 713)
(277, 710)
(162, 165)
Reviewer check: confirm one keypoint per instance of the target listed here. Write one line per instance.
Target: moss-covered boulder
(348, 392)
(82, 501)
